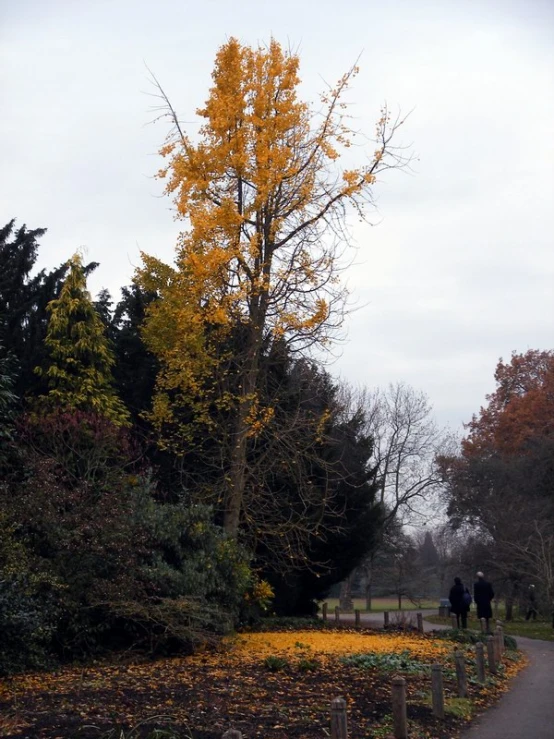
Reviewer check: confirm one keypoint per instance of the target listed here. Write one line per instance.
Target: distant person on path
(483, 595)
(531, 604)
(458, 602)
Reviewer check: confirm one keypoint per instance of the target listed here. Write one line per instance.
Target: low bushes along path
(526, 711)
(272, 685)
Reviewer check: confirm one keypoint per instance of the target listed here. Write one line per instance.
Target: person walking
(483, 595)
(531, 604)
(458, 602)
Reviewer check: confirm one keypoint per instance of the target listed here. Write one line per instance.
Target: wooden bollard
(437, 691)
(357, 618)
(454, 621)
(386, 619)
(497, 636)
(480, 661)
(483, 625)
(491, 655)
(324, 612)
(461, 677)
(232, 734)
(339, 725)
(337, 615)
(420, 622)
(399, 715)
(500, 632)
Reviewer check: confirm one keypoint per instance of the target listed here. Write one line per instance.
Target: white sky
(458, 271)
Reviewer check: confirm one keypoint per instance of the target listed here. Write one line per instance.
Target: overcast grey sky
(459, 267)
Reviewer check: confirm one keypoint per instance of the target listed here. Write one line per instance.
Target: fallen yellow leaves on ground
(257, 646)
(237, 686)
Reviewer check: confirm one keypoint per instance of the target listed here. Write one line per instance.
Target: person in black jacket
(531, 604)
(458, 604)
(483, 595)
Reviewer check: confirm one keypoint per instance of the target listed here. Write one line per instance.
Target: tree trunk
(368, 594)
(511, 599)
(237, 473)
(239, 452)
(345, 597)
(368, 570)
(399, 601)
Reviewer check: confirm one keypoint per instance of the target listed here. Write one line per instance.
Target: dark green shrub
(463, 636)
(308, 665)
(389, 662)
(27, 625)
(287, 623)
(274, 663)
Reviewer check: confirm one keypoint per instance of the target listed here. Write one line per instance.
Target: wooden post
(357, 618)
(232, 734)
(480, 661)
(337, 615)
(498, 644)
(491, 655)
(399, 715)
(386, 617)
(461, 677)
(437, 691)
(339, 725)
(420, 622)
(454, 621)
(324, 612)
(483, 625)
(500, 631)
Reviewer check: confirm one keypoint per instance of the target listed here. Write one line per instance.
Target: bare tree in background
(407, 442)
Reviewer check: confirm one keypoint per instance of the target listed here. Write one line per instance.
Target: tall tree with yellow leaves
(264, 200)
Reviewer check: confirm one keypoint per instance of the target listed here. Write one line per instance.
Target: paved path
(527, 710)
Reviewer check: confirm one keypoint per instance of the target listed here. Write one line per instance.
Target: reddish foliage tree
(502, 483)
(521, 407)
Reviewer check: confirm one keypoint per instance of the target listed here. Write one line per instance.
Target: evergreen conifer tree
(79, 368)
(24, 298)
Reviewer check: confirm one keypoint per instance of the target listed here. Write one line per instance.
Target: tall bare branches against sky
(458, 269)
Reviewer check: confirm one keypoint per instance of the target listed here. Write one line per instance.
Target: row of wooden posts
(358, 618)
(494, 649)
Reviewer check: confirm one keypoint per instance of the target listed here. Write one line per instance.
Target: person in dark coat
(458, 603)
(483, 595)
(531, 604)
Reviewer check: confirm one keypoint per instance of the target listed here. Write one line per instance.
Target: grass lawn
(384, 604)
(518, 627)
(268, 685)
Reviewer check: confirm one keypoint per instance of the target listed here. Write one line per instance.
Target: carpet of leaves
(275, 685)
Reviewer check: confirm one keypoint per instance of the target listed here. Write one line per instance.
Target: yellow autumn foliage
(257, 191)
(257, 646)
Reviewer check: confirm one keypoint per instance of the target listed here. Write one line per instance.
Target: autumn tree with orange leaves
(502, 483)
(264, 200)
(521, 407)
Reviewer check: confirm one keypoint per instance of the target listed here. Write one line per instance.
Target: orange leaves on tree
(263, 198)
(521, 407)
